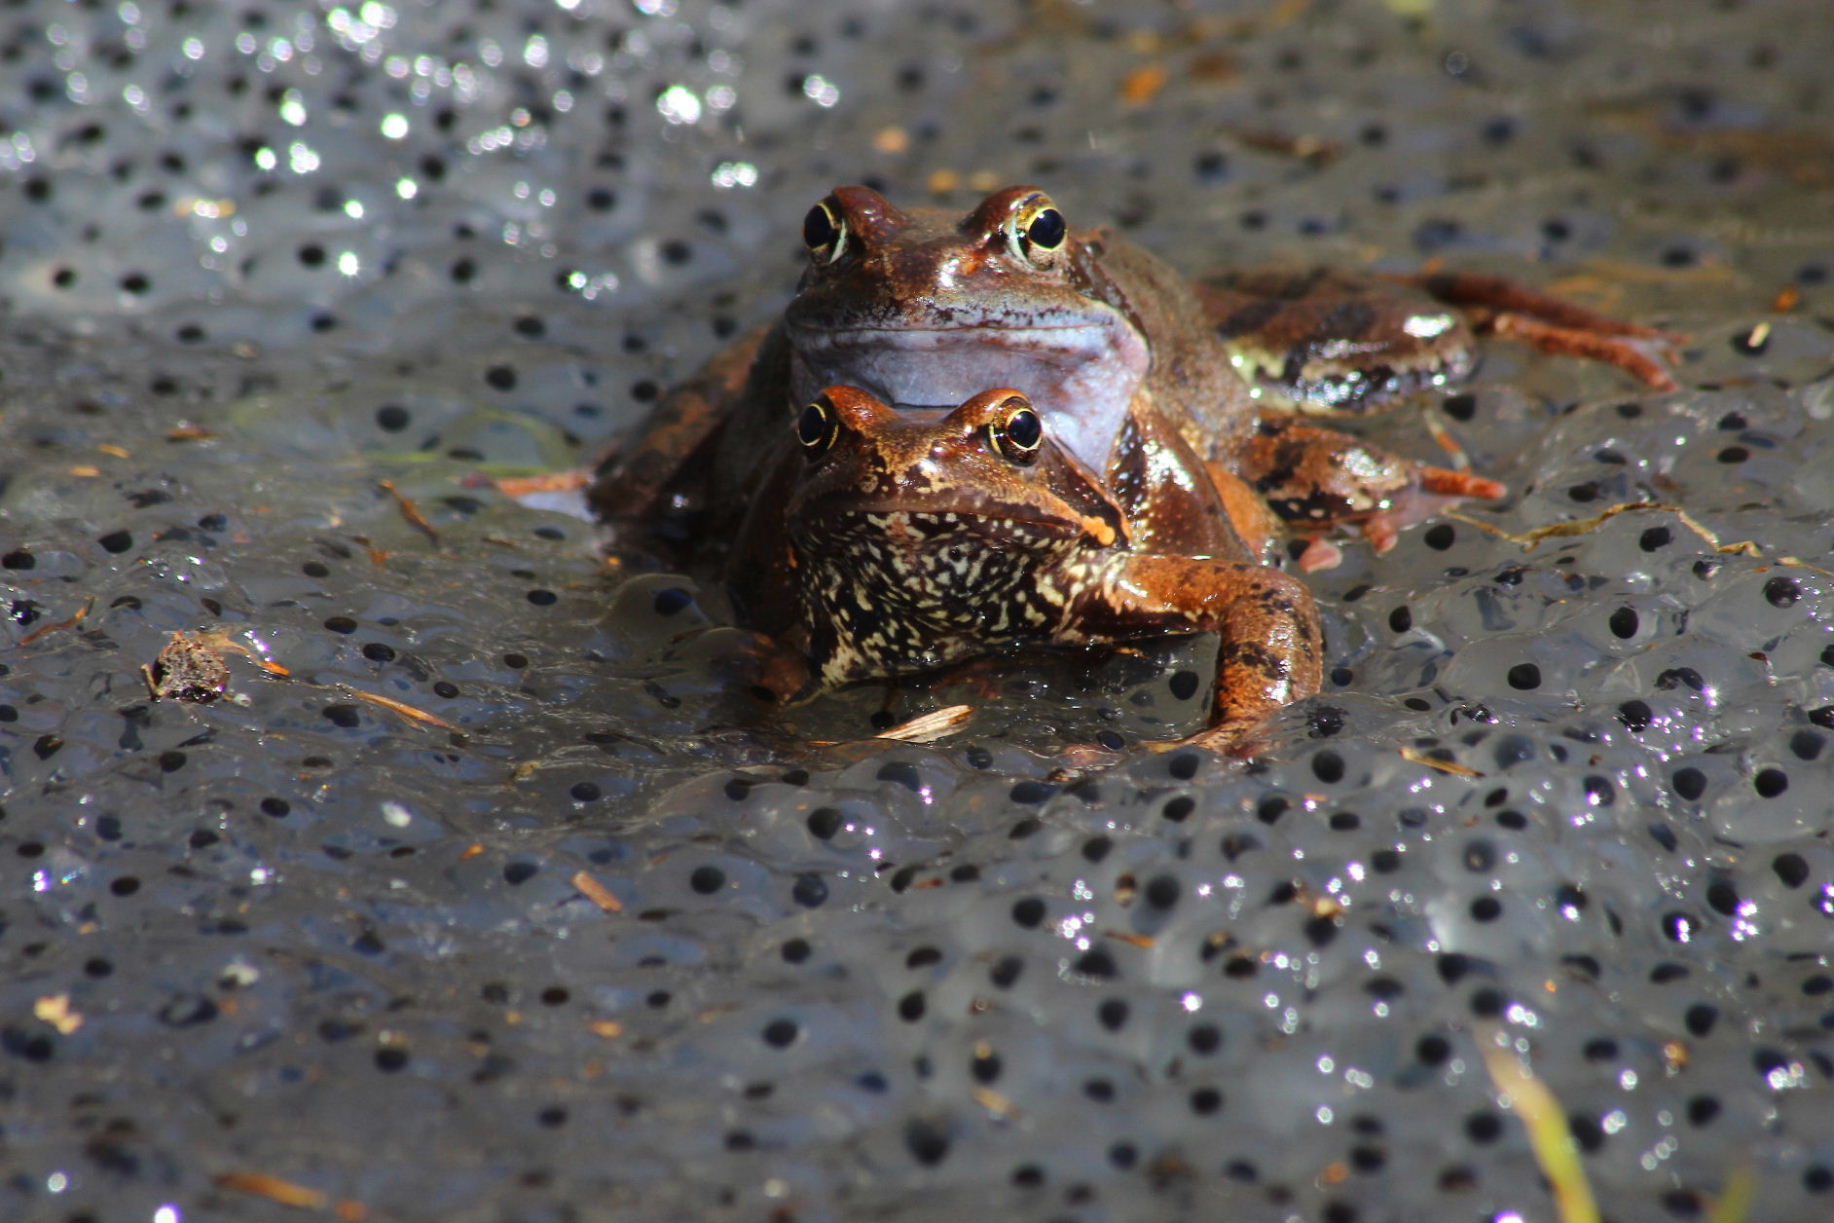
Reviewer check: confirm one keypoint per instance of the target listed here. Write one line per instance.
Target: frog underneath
(913, 542)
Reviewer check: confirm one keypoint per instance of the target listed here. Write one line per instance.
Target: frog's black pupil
(1024, 429)
(812, 425)
(1047, 229)
(818, 229)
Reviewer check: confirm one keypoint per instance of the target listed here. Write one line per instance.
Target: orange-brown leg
(1272, 650)
(631, 483)
(570, 480)
(1499, 306)
(1571, 342)
(1253, 519)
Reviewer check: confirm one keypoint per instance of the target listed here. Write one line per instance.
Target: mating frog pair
(881, 501)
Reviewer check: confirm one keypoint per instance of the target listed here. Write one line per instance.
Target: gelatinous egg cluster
(375, 848)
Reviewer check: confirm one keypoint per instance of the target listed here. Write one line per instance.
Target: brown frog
(924, 309)
(898, 541)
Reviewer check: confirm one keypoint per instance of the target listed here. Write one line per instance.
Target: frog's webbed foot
(1336, 342)
(1496, 305)
(1320, 479)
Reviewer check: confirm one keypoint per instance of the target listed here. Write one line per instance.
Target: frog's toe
(1434, 490)
(1320, 554)
(790, 684)
(1445, 482)
(1383, 530)
(560, 492)
(1237, 739)
(1623, 350)
(1084, 760)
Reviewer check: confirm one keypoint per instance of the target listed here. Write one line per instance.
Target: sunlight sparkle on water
(679, 104)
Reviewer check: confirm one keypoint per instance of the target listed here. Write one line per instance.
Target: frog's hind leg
(1496, 305)
(633, 484)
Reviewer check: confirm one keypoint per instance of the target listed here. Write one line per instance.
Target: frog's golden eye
(1037, 231)
(1017, 436)
(817, 427)
(1047, 230)
(824, 232)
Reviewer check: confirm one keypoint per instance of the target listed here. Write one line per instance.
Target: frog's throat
(1082, 377)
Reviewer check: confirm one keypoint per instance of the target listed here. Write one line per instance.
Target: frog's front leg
(1272, 651)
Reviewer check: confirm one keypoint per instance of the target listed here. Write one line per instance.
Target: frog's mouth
(1081, 377)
